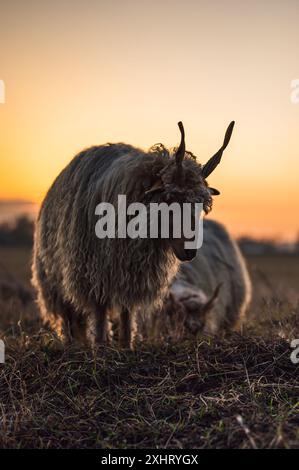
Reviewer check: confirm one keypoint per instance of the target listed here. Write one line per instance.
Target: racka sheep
(212, 292)
(80, 278)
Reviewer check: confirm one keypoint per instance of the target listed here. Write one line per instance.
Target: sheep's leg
(126, 329)
(98, 326)
(76, 329)
(73, 323)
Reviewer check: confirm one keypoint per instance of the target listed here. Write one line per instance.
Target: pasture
(240, 391)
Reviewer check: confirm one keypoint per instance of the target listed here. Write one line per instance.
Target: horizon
(9, 217)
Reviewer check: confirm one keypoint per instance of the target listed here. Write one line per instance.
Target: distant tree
(252, 246)
(23, 231)
(18, 233)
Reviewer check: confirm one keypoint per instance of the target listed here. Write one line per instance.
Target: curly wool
(73, 270)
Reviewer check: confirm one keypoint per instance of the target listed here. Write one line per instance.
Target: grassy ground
(239, 391)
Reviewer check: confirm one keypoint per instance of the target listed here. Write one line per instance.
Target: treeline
(17, 233)
(254, 246)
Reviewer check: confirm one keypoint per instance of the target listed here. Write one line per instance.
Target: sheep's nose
(189, 254)
(186, 255)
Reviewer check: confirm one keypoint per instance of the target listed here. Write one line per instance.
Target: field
(240, 391)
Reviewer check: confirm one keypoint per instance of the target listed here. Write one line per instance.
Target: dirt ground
(240, 391)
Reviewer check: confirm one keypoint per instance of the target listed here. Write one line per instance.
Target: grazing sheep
(212, 292)
(80, 278)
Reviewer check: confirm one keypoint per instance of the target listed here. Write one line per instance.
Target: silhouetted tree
(18, 233)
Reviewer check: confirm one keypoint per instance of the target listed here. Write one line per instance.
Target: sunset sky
(79, 73)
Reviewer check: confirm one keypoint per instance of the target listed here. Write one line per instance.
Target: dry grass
(239, 391)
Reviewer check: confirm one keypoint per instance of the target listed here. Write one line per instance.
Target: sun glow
(76, 76)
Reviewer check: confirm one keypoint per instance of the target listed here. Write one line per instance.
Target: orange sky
(81, 73)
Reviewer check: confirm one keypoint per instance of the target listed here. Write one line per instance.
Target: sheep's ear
(214, 191)
(157, 186)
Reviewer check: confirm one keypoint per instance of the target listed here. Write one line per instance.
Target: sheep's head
(190, 307)
(183, 180)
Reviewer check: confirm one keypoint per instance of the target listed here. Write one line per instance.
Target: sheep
(212, 292)
(80, 279)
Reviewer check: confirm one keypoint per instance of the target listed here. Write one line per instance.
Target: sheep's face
(191, 306)
(181, 180)
(181, 196)
(191, 190)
